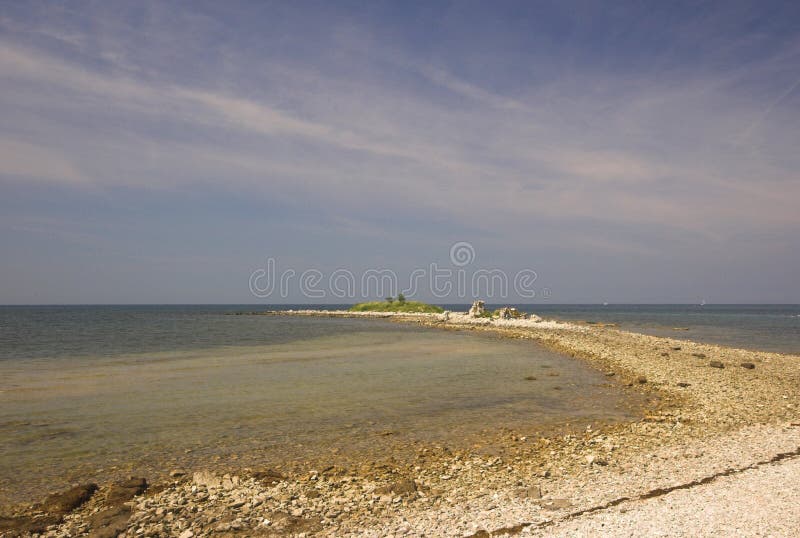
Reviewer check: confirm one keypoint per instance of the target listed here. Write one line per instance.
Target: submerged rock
(69, 500)
(22, 525)
(122, 492)
(55, 506)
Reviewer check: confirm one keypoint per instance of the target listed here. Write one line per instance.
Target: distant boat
(605, 304)
(703, 302)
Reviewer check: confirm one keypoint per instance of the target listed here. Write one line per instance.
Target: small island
(397, 305)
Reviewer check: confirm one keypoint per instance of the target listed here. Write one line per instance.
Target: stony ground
(719, 422)
(756, 502)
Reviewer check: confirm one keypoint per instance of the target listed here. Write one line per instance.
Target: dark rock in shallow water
(683, 384)
(748, 365)
(26, 525)
(676, 348)
(67, 501)
(530, 378)
(56, 507)
(699, 355)
(641, 380)
(134, 482)
(122, 492)
(716, 364)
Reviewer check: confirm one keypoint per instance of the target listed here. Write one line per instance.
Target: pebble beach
(718, 427)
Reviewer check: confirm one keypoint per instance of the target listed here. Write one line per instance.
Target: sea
(99, 392)
(755, 327)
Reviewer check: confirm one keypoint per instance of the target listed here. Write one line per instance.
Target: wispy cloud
(576, 151)
(32, 162)
(575, 170)
(476, 93)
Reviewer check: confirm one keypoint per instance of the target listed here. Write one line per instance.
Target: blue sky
(626, 152)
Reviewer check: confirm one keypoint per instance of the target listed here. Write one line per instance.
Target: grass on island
(397, 305)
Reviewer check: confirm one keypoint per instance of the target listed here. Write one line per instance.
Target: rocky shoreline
(711, 411)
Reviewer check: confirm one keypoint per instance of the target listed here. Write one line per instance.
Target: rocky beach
(716, 423)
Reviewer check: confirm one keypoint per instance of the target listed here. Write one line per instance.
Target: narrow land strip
(710, 410)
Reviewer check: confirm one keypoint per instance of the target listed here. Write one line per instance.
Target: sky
(624, 152)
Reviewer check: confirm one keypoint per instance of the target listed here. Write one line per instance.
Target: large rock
(477, 310)
(207, 479)
(509, 312)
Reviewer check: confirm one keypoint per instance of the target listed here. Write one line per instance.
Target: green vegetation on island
(397, 305)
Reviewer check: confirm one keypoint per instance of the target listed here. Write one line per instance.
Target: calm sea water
(99, 392)
(63, 331)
